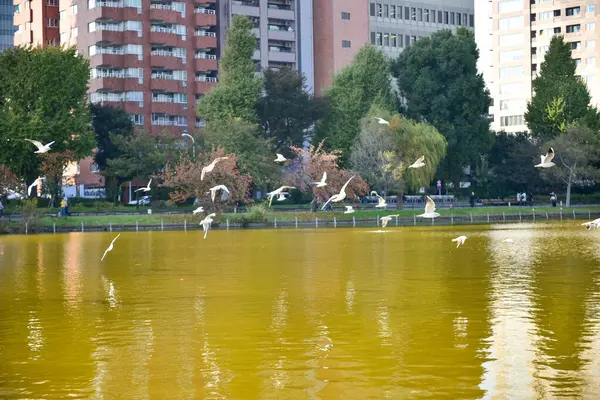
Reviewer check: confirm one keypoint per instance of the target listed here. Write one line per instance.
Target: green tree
(576, 156)
(43, 97)
(254, 153)
(287, 110)
(238, 92)
(560, 96)
(354, 90)
(437, 76)
(107, 120)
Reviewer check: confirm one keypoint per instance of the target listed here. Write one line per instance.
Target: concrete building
(284, 31)
(342, 27)
(7, 28)
(513, 36)
(36, 22)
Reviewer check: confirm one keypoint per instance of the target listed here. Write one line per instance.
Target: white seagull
(508, 241)
(429, 209)
(42, 148)
(198, 210)
(419, 163)
(382, 121)
(339, 196)
(386, 219)
(110, 247)
(322, 182)
(349, 210)
(381, 203)
(593, 224)
(144, 189)
(280, 158)
(459, 240)
(35, 183)
(281, 197)
(547, 159)
(213, 191)
(206, 222)
(278, 192)
(211, 166)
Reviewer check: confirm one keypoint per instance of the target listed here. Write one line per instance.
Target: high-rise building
(7, 29)
(342, 27)
(36, 22)
(514, 35)
(284, 32)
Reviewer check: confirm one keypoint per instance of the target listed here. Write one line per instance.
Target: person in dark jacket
(472, 199)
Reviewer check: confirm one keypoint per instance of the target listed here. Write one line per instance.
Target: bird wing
(421, 159)
(203, 173)
(373, 192)
(429, 206)
(115, 239)
(223, 187)
(324, 178)
(381, 200)
(49, 144)
(39, 145)
(549, 155)
(346, 184)
(327, 202)
(149, 183)
(31, 187)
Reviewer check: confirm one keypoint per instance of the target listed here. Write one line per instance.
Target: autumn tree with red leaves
(184, 178)
(309, 166)
(9, 181)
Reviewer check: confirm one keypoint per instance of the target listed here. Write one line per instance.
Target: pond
(303, 314)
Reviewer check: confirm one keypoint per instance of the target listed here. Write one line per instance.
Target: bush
(30, 216)
(256, 214)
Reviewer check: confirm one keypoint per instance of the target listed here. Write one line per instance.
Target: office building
(513, 36)
(342, 27)
(7, 29)
(284, 32)
(36, 22)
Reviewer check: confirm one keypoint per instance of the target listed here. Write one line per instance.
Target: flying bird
(322, 182)
(349, 210)
(198, 210)
(459, 240)
(593, 224)
(508, 241)
(280, 158)
(382, 121)
(213, 191)
(206, 222)
(429, 209)
(339, 196)
(144, 189)
(281, 197)
(42, 148)
(277, 192)
(211, 166)
(381, 203)
(547, 159)
(386, 219)
(419, 163)
(110, 247)
(35, 183)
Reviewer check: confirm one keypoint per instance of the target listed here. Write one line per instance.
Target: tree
(576, 153)
(140, 156)
(438, 79)
(354, 90)
(238, 92)
(184, 177)
(309, 166)
(107, 120)
(53, 166)
(254, 154)
(485, 175)
(560, 96)
(287, 110)
(43, 97)
(382, 152)
(9, 182)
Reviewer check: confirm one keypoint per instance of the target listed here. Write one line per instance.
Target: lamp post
(193, 143)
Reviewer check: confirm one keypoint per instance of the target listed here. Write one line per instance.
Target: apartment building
(284, 32)
(342, 27)
(7, 29)
(514, 35)
(36, 22)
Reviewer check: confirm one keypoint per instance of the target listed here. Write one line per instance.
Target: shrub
(30, 215)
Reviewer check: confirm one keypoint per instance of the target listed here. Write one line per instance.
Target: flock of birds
(546, 162)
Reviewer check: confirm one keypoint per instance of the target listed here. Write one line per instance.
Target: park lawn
(303, 216)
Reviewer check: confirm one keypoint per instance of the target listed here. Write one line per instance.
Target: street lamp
(193, 143)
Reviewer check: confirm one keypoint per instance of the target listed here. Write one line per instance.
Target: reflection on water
(349, 314)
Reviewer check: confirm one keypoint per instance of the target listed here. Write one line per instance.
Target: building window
(406, 13)
(513, 55)
(590, 8)
(74, 9)
(61, 15)
(372, 38)
(52, 23)
(573, 28)
(591, 61)
(557, 13)
(464, 19)
(511, 120)
(446, 17)
(513, 104)
(556, 30)
(393, 40)
(137, 119)
(591, 26)
(439, 17)
(573, 11)
(74, 32)
(577, 61)
(378, 40)
(386, 11)
(452, 19)
(386, 39)
(575, 45)
(471, 20)
(420, 15)
(52, 3)
(379, 10)
(372, 9)
(346, 44)
(345, 15)
(511, 22)
(505, 6)
(511, 88)
(590, 44)
(426, 15)
(413, 39)
(413, 14)
(94, 169)
(458, 19)
(407, 40)
(545, 15)
(400, 40)
(511, 72)
(393, 12)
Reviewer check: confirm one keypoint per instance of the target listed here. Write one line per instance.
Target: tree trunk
(569, 184)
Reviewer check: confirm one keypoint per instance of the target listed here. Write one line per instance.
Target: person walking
(472, 199)
(67, 207)
(553, 199)
(518, 199)
(63, 208)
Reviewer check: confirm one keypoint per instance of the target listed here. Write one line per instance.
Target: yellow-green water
(307, 314)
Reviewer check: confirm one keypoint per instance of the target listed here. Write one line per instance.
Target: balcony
(167, 85)
(281, 10)
(256, 55)
(205, 17)
(166, 36)
(205, 40)
(166, 12)
(201, 64)
(281, 33)
(281, 56)
(245, 8)
(205, 84)
(169, 108)
(170, 59)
